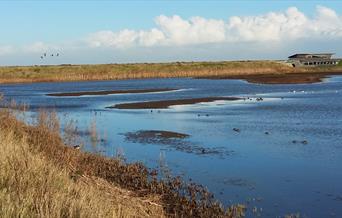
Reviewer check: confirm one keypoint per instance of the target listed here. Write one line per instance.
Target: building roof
(317, 59)
(315, 55)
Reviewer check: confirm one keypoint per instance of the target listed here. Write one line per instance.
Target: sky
(92, 32)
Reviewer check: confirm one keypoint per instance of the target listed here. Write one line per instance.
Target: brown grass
(71, 135)
(40, 176)
(33, 186)
(149, 70)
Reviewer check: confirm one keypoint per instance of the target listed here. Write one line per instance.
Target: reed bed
(149, 70)
(41, 176)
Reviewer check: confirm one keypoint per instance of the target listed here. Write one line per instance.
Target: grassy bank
(157, 70)
(42, 177)
(31, 185)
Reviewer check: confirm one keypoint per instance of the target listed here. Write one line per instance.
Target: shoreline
(109, 92)
(267, 72)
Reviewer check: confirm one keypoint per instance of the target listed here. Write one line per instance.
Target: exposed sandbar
(167, 103)
(108, 92)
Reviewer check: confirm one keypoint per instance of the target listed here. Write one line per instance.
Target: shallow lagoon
(266, 171)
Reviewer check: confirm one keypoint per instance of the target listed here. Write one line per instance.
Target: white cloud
(125, 38)
(150, 38)
(193, 31)
(291, 24)
(6, 50)
(39, 47)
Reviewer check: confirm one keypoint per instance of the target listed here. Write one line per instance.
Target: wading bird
(77, 147)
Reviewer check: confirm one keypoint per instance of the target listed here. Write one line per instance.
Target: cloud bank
(6, 50)
(291, 24)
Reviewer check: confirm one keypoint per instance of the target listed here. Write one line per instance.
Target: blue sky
(80, 29)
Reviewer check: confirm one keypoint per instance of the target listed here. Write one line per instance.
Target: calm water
(266, 171)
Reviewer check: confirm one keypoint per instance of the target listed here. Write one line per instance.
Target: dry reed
(33, 186)
(149, 70)
(71, 134)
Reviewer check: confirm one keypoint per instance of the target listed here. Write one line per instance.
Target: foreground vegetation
(42, 177)
(149, 70)
(33, 185)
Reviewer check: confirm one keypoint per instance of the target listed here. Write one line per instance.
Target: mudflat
(293, 78)
(108, 92)
(174, 140)
(152, 134)
(163, 104)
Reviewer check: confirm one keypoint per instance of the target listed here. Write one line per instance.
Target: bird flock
(45, 55)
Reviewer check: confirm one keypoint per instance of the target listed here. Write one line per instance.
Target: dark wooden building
(301, 60)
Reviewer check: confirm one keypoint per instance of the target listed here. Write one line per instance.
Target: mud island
(109, 92)
(163, 104)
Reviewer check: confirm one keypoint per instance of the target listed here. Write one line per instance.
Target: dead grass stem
(31, 185)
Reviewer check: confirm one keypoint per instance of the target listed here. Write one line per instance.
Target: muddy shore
(109, 92)
(163, 104)
(294, 78)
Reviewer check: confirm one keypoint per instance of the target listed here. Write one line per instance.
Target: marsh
(284, 176)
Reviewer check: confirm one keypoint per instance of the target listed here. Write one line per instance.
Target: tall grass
(146, 70)
(48, 120)
(94, 138)
(71, 134)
